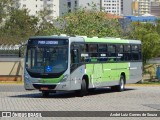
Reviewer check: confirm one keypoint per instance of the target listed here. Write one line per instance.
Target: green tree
(150, 38)
(45, 27)
(89, 23)
(19, 26)
(151, 47)
(5, 7)
(158, 26)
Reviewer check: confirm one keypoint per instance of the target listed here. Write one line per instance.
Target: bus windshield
(47, 59)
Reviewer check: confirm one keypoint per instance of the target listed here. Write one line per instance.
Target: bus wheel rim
(122, 84)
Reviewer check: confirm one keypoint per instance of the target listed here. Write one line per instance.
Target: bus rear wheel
(83, 91)
(121, 86)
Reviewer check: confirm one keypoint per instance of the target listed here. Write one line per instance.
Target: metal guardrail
(10, 59)
(13, 68)
(10, 54)
(9, 47)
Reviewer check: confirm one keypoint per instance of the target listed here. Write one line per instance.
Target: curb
(21, 83)
(147, 85)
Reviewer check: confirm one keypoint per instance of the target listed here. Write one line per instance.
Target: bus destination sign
(48, 42)
(45, 41)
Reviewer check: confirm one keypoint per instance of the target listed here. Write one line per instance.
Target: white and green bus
(66, 63)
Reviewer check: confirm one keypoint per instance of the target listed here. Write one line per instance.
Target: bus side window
(120, 52)
(93, 54)
(127, 52)
(135, 52)
(74, 56)
(140, 54)
(84, 55)
(103, 53)
(111, 53)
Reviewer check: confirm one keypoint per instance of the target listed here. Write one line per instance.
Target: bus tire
(45, 93)
(121, 86)
(91, 89)
(83, 91)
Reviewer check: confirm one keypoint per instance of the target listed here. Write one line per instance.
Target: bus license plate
(44, 88)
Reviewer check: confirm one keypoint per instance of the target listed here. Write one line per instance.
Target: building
(127, 7)
(55, 8)
(136, 7)
(89, 4)
(122, 7)
(144, 7)
(111, 6)
(155, 7)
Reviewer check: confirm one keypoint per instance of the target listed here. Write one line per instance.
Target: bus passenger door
(76, 70)
(97, 75)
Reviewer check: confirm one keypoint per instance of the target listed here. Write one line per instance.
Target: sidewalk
(11, 82)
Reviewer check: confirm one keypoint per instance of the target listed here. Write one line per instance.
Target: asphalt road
(135, 98)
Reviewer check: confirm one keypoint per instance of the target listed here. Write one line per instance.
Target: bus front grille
(39, 86)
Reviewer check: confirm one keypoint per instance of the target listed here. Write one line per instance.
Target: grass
(151, 83)
(11, 82)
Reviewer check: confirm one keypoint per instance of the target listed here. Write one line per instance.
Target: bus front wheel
(83, 91)
(121, 86)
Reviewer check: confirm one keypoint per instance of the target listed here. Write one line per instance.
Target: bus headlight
(64, 78)
(26, 78)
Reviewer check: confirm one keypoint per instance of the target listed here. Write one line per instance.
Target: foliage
(149, 83)
(45, 26)
(5, 8)
(89, 23)
(158, 26)
(149, 35)
(17, 25)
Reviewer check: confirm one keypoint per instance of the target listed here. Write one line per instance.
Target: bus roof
(90, 40)
(49, 37)
(111, 40)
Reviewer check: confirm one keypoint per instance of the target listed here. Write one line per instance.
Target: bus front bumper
(55, 87)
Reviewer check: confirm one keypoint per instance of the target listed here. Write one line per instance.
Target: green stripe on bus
(106, 40)
(103, 72)
(51, 80)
